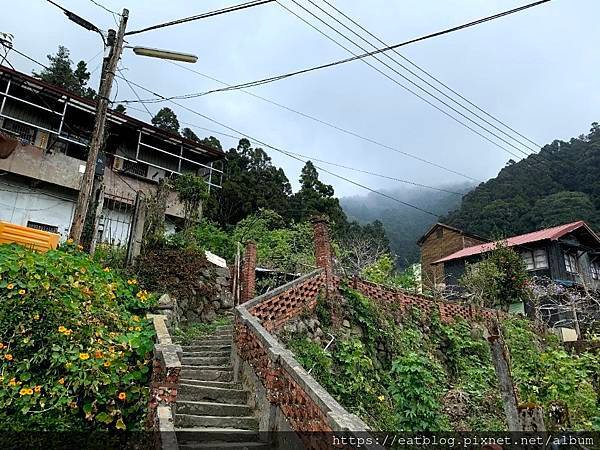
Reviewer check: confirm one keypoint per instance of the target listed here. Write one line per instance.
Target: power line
(452, 99)
(114, 13)
(286, 153)
(354, 169)
(135, 93)
(396, 81)
(323, 122)
(228, 9)
(412, 63)
(251, 84)
(375, 52)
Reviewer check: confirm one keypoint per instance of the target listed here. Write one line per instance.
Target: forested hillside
(404, 225)
(559, 185)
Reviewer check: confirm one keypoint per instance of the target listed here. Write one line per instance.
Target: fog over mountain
(405, 225)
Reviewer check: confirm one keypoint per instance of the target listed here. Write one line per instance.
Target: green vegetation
(75, 346)
(188, 334)
(402, 371)
(383, 272)
(562, 188)
(547, 375)
(61, 73)
(411, 372)
(498, 280)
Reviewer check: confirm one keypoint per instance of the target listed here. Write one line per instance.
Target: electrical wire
(323, 122)
(354, 169)
(412, 63)
(134, 93)
(459, 121)
(375, 52)
(387, 55)
(114, 13)
(217, 12)
(289, 154)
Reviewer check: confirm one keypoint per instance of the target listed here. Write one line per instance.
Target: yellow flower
(12, 382)
(80, 247)
(36, 317)
(381, 398)
(25, 391)
(68, 332)
(138, 328)
(130, 328)
(107, 269)
(111, 348)
(106, 364)
(82, 270)
(8, 357)
(132, 282)
(10, 286)
(73, 405)
(22, 291)
(1, 346)
(61, 381)
(122, 395)
(61, 329)
(84, 356)
(135, 318)
(98, 354)
(38, 388)
(69, 241)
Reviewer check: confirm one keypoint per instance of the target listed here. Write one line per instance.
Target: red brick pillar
(323, 249)
(249, 272)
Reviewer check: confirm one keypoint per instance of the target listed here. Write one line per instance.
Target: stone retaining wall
(166, 369)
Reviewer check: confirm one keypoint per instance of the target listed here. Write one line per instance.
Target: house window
(570, 262)
(595, 270)
(42, 226)
(536, 259)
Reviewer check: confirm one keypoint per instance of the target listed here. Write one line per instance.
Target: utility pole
(109, 67)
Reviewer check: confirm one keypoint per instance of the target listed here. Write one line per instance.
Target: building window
(535, 259)
(595, 270)
(42, 226)
(570, 262)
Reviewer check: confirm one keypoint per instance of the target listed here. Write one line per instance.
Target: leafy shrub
(176, 271)
(383, 271)
(111, 256)
(417, 386)
(74, 344)
(545, 374)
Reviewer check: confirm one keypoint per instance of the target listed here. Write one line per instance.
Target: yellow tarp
(34, 239)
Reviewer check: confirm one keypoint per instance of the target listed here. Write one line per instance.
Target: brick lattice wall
(302, 413)
(278, 309)
(448, 310)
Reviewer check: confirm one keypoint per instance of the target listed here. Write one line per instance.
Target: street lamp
(165, 54)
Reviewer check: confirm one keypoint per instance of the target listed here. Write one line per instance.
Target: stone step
(211, 394)
(226, 445)
(221, 384)
(203, 374)
(205, 436)
(213, 341)
(212, 347)
(208, 354)
(211, 409)
(192, 421)
(205, 360)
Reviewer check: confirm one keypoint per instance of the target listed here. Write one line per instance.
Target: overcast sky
(537, 70)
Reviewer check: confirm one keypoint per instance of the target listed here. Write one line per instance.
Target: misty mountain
(404, 225)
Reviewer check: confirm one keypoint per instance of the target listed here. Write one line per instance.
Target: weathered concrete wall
(65, 171)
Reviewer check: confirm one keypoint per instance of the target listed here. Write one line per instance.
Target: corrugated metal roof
(552, 234)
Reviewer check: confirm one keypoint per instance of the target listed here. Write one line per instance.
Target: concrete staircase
(211, 410)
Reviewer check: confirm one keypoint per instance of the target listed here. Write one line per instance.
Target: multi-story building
(44, 136)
